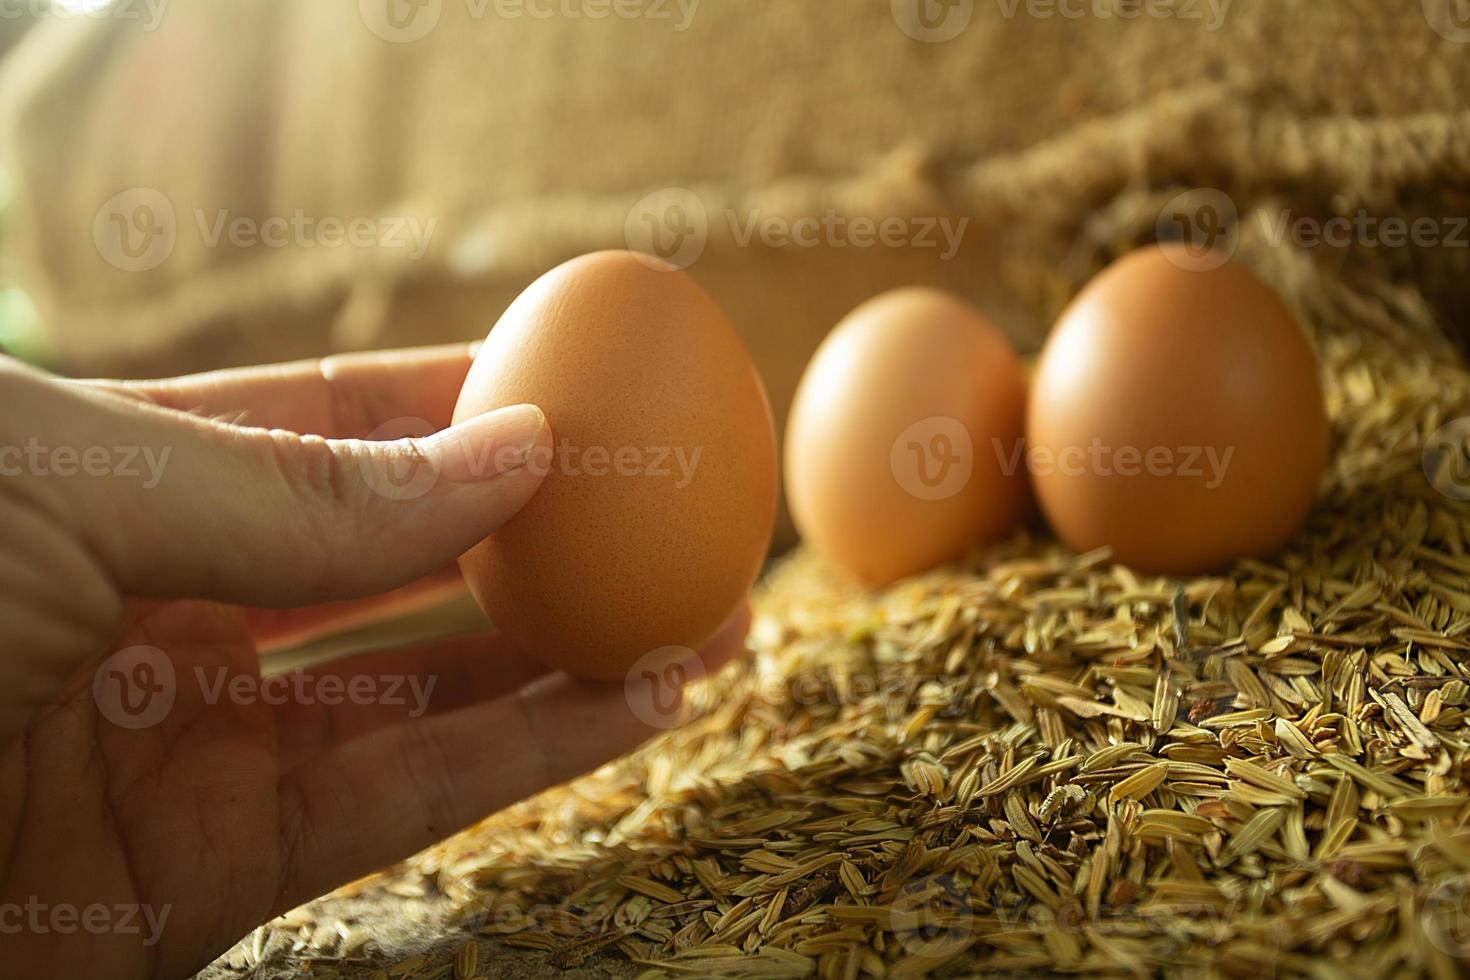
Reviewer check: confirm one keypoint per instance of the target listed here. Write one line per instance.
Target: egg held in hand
(660, 498)
(1176, 415)
(902, 447)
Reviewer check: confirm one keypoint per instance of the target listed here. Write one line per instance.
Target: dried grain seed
(652, 889)
(1140, 784)
(1378, 782)
(1013, 777)
(1233, 719)
(1252, 835)
(408, 966)
(1172, 823)
(1111, 756)
(466, 960)
(960, 741)
(1408, 722)
(1427, 806)
(772, 915)
(1264, 778)
(1293, 741)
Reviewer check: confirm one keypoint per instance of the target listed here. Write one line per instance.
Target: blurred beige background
(172, 165)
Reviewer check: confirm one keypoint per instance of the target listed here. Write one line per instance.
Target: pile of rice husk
(1038, 762)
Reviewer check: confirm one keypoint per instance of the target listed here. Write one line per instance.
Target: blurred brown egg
(901, 435)
(1176, 415)
(658, 508)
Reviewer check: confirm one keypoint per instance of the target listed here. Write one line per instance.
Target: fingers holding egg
(660, 497)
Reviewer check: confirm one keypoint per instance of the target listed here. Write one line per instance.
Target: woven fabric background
(1064, 140)
(526, 140)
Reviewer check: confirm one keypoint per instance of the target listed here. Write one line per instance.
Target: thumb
(277, 519)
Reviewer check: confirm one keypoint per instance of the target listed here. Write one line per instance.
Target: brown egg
(658, 508)
(1177, 416)
(900, 437)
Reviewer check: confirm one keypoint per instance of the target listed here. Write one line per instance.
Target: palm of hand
(159, 804)
(182, 829)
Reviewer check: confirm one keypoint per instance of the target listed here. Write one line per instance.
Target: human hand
(232, 805)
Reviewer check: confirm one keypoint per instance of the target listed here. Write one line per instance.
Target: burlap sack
(1051, 133)
(1062, 139)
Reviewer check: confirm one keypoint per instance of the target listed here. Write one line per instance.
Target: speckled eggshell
(609, 562)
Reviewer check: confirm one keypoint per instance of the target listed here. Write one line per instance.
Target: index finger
(344, 396)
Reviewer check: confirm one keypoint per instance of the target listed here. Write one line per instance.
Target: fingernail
(495, 444)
